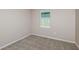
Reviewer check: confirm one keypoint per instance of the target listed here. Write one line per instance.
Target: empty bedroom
(39, 29)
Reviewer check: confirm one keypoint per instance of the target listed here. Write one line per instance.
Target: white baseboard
(36, 35)
(77, 45)
(14, 41)
(54, 38)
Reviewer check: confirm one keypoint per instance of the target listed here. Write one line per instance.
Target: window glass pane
(45, 19)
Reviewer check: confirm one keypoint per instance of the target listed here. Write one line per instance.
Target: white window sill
(45, 26)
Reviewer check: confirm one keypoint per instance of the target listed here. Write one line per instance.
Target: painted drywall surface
(14, 24)
(62, 24)
(77, 27)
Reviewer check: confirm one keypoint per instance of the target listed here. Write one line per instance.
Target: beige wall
(62, 24)
(77, 27)
(14, 24)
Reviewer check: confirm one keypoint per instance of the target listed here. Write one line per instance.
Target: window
(45, 18)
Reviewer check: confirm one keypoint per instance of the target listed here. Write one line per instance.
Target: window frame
(45, 10)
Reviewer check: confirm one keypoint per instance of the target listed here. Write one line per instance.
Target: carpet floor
(40, 43)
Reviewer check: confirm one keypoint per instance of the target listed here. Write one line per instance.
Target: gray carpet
(40, 43)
